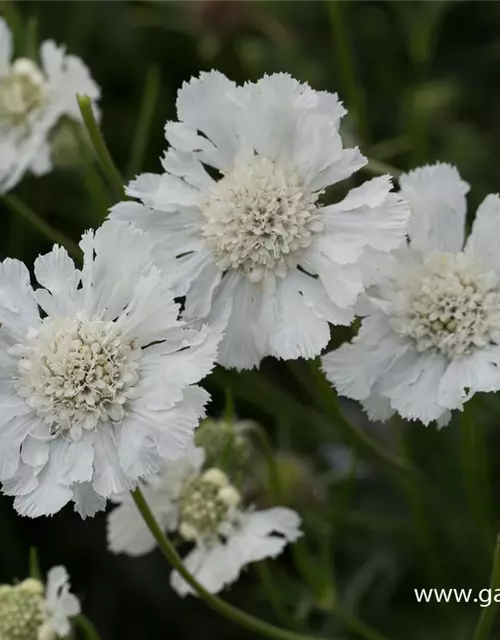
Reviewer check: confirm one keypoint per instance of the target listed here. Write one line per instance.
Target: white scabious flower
(102, 387)
(430, 338)
(238, 219)
(32, 100)
(31, 610)
(205, 509)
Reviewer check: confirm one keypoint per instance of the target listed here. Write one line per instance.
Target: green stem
(145, 118)
(32, 39)
(217, 604)
(487, 616)
(474, 462)
(86, 627)
(353, 91)
(35, 565)
(105, 160)
(52, 234)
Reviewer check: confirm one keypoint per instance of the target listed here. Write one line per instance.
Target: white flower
(32, 100)
(205, 509)
(32, 611)
(102, 388)
(238, 221)
(431, 336)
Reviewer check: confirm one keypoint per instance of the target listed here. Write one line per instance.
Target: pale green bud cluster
(225, 443)
(21, 92)
(205, 504)
(22, 615)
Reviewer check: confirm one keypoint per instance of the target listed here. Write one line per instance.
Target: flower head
(431, 335)
(31, 610)
(102, 387)
(206, 509)
(33, 98)
(239, 218)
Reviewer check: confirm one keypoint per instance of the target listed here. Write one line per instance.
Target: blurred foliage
(421, 82)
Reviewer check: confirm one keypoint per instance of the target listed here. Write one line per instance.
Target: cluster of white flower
(430, 337)
(99, 368)
(31, 610)
(206, 510)
(33, 99)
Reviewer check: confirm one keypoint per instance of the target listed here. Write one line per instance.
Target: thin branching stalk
(225, 609)
(86, 627)
(105, 160)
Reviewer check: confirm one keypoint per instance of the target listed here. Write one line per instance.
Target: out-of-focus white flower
(431, 336)
(32, 611)
(238, 221)
(204, 507)
(32, 100)
(103, 387)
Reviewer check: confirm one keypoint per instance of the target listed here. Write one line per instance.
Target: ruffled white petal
(18, 307)
(482, 241)
(261, 534)
(412, 386)
(436, 194)
(60, 603)
(355, 368)
(68, 76)
(287, 326)
(369, 216)
(219, 116)
(56, 272)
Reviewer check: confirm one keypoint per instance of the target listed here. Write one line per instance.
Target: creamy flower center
(22, 612)
(258, 217)
(450, 305)
(21, 91)
(77, 372)
(205, 504)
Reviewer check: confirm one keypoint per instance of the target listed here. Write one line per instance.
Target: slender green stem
(474, 463)
(95, 183)
(105, 160)
(86, 627)
(353, 90)
(34, 565)
(217, 604)
(32, 39)
(52, 234)
(487, 616)
(146, 112)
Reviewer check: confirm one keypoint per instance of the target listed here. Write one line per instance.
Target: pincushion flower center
(205, 504)
(21, 611)
(21, 91)
(77, 372)
(258, 217)
(452, 306)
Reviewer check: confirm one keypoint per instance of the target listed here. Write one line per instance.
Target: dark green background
(426, 88)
